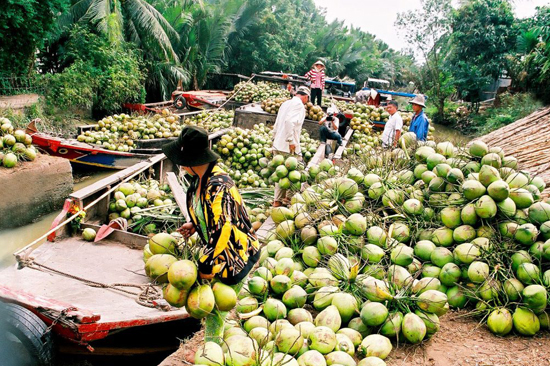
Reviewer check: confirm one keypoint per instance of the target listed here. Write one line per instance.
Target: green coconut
(423, 249)
(525, 321)
(526, 234)
(442, 237)
(323, 340)
(478, 148)
(456, 297)
(478, 271)
(521, 197)
(376, 345)
(486, 207)
(413, 328)
(473, 189)
(441, 256)
(528, 273)
(346, 304)
(500, 322)
(374, 314)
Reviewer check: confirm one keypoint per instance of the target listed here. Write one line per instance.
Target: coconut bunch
(362, 142)
(248, 92)
(147, 205)
(476, 225)
(308, 145)
(212, 121)
(272, 105)
(314, 112)
(389, 243)
(245, 154)
(15, 145)
(172, 263)
(277, 305)
(118, 132)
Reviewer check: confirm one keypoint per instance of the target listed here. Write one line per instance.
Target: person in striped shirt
(317, 78)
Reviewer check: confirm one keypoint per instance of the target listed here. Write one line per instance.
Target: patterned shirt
(317, 78)
(232, 247)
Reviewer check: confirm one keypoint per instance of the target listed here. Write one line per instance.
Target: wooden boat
(85, 291)
(194, 100)
(84, 154)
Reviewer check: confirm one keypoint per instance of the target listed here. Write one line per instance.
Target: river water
(13, 239)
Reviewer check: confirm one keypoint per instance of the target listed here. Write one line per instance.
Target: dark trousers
(316, 93)
(325, 133)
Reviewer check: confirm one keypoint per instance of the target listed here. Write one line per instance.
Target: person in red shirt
(317, 78)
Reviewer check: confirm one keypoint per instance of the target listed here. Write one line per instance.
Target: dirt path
(460, 342)
(18, 101)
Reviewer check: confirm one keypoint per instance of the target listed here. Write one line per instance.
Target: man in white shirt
(392, 129)
(286, 133)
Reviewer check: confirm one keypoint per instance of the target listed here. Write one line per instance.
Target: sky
(378, 17)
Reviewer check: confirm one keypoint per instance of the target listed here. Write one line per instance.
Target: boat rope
(149, 295)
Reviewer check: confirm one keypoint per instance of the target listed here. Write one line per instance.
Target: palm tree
(138, 22)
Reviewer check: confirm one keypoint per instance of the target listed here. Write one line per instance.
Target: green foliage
(510, 108)
(483, 33)
(139, 23)
(24, 25)
(428, 34)
(529, 66)
(102, 75)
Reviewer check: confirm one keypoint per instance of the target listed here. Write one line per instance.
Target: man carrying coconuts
(286, 134)
(218, 215)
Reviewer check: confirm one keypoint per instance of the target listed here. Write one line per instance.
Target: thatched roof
(528, 140)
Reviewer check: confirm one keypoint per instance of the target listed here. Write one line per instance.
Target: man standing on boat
(286, 134)
(419, 122)
(218, 214)
(392, 129)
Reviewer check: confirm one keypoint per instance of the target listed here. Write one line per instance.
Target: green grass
(511, 108)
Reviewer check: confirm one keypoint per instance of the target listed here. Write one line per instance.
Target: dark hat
(191, 148)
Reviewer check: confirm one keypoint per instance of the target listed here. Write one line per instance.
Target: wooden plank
(131, 240)
(345, 141)
(266, 227)
(179, 194)
(116, 178)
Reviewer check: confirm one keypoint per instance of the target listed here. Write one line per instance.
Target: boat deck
(106, 262)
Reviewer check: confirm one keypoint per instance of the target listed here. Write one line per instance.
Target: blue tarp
(334, 82)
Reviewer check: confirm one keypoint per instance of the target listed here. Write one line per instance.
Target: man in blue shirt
(419, 122)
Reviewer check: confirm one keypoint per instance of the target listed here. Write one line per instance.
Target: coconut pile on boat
(373, 254)
(212, 121)
(119, 132)
(246, 158)
(248, 92)
(147, 205)
(15, 145)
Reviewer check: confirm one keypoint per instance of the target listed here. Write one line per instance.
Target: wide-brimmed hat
(191, 148)
(319, 62)
(419, 100)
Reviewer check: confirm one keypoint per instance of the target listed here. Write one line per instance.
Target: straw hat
(319, 62)
(419, 100)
